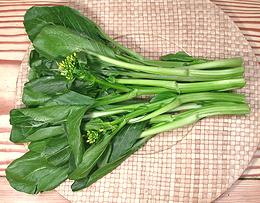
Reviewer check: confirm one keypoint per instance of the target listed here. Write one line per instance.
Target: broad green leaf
(41, 67)
(55, 149)
(107, 168)
(32, 173)
(37, 92)
(57, 41)
(90, 158)
(36, 117)
(23, 134)
(70, 98)
(72, 127)
(36, 18)
(125, 139)
(92, 154)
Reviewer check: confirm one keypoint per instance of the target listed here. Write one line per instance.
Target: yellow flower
(68, 65)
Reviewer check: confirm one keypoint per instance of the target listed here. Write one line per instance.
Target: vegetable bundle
(90, 102)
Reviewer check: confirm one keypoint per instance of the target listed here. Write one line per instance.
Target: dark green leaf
(44, 133)
(36, 18)
(107, 168)
(92, 154)
(90, 158)
(57, 41)
(74, 137)
(41, 67)
(125, 139)
(70, 98)
(178, 56)
(32, 173)
(36, 117)
(37, 92)
(56, 149)
(105, 157)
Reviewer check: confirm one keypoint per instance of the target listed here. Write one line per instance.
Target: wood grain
(8, 195)
(242, 191)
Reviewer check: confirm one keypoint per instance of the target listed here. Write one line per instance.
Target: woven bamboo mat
(197, 163)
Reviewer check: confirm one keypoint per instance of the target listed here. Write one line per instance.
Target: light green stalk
(192, 116)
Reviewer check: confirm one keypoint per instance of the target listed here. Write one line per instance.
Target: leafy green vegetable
(90, 102)
(37, 92)
(126, 142)
(72, 127)
(32, 173)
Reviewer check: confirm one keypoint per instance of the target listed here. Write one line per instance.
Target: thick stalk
(132, 107)
(195, 115)
(160, 118)
(187, 87)
(110, 99)
(116, 98)
(194, 97)
(194, 75)
(182, 71)
(223, 63)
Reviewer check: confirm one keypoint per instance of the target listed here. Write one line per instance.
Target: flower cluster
(68, 66)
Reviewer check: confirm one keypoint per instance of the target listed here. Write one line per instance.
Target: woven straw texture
(192, 164)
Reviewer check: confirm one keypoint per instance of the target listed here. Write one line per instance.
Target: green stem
(112, 85)
(187, 87)
(223, 63)
(110, 99)
(143, 68)
(116, 98)
(195, 115)
(195, 97)
(181, 71)
(194, 75)
(132, 107)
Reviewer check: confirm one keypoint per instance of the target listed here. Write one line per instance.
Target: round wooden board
(193, 164)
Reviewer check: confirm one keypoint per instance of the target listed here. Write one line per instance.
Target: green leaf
(182, 57)
(37, 92)
(93, 153)
(36, 18)
(74, 137)
(85, 87)
(32, 173)
(125, 139)
(36, 117)
(57, 41)
(105, 157)
(90, 158)
(41, 67)
(71, 98)
(178, 56)
(56, 149)
(107, 168)
(44, 133)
